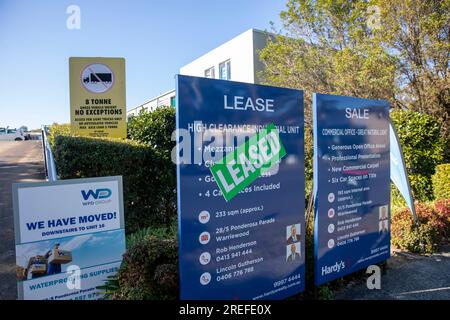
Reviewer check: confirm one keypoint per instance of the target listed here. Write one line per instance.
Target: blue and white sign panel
(352, 184)
(70, 237)
(251, 247)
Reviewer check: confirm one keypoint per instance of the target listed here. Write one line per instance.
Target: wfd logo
(98, 195)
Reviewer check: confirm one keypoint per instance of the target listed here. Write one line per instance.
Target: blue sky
(155, 37)
(87, 250)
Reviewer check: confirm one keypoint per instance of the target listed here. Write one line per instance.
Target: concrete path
(408, 277)
(20, 161)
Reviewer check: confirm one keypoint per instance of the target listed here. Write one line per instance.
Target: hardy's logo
(338, 266)
(97, 194)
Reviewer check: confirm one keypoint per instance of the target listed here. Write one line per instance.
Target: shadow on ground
(408, 277)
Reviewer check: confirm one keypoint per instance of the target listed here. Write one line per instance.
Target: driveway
(20, 161)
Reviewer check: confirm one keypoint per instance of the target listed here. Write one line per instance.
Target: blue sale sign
(248, 243)
(352, 186)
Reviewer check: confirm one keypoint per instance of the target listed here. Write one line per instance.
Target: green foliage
(416, 32)
(309, 154)
(426, 236)
(324, 292)
(159, 232)
(148, 179)
(149, 271)
(325, 46)
(398, 53)
(441, 182)
(423, 149)
(396, 197)
(309, 252)
(155, 129)
(57, 130)
(110, 287)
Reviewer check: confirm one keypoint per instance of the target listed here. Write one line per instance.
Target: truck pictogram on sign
(97, 78)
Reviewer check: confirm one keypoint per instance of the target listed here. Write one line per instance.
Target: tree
(326, 46)
(389, 49)
(417, 32)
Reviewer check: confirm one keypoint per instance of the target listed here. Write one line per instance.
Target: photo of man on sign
(293, 252)
(56, 257)
(293, 233)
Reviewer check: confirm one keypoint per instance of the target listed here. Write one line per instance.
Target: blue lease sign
(251, 246)
(351, 184)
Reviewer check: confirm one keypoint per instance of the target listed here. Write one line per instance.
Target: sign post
(69, 237)
(352, 184)
(97, 97)
(240, 168)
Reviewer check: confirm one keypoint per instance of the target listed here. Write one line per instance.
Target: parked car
(12, 134)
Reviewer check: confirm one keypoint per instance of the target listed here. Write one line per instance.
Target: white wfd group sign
(69, 237)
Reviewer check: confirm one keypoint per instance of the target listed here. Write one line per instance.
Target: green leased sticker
(238, 169)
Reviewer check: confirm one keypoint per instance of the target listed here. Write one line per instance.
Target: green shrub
(396, 197)
(423, 149)
(427, 235)
(159, 232)
(441, 182)
(149, 271)
(149, 181)
(57, 130)
(154, 129)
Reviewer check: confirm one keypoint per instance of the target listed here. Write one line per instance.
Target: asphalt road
(20, 161)
(408, 277)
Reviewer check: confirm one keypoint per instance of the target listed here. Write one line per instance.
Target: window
(209, 73)
(2, 130)
(225, 70)
(173, 101)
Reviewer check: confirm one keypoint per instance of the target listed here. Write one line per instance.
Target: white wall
(162, 100)
(260, 39)
(243, 53)
(238, 50)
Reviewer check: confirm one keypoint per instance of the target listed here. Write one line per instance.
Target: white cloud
(75, 243)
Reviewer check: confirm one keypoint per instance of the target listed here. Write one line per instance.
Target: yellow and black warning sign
(97, 97)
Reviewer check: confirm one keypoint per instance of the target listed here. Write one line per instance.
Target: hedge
(441, 182)
(58, 130)
(423, 149)
(149, 181)
(149, 271)
(154, 129)
(432, 229)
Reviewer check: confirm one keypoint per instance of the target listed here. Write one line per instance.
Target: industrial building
(236, 59)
